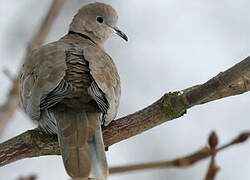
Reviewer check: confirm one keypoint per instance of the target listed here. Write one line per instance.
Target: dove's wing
(106, 79)
(41, 82)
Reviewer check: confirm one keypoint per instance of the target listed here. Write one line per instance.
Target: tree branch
(185, 161)
(31, 177)
(172, 105)
(46, 25)
(8, 108)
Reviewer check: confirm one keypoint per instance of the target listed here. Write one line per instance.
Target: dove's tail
(81, 144)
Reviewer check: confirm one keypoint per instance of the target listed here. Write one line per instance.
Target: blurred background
(173, 44)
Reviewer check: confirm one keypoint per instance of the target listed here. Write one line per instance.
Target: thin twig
(185, 161)
(213, 168)
(8, 74)
(31, 177)
(8, 108)
(179, 162)
(46, 25)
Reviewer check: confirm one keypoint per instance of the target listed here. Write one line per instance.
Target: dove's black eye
(99, 19)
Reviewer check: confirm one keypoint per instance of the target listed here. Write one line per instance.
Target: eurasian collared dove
(72, 86)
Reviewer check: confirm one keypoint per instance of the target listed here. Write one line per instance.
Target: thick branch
(172, 105)
(12, 102)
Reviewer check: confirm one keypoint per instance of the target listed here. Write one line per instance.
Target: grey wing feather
(104, 72)
(63, 89)
(97, 94)
(47, 122)
(41, 74)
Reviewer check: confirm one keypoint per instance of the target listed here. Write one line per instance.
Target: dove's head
(97, 21)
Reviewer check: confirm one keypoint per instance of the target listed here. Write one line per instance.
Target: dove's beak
(120, 33)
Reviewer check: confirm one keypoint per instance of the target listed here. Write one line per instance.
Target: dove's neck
(77, 37)
(96, 39)
(91, 37)
(82, 35)
(84, 38)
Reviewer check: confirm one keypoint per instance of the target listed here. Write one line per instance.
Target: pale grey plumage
(85, 22)
(71, 85)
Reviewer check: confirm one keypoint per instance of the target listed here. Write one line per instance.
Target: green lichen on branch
(239, 87)
(46, 143)
(174, 104)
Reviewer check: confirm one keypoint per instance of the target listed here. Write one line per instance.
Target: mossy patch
(174, 105)
(48, 144)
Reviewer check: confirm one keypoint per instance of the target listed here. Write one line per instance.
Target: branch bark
(171, 106)
(8, 108)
